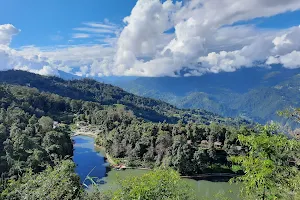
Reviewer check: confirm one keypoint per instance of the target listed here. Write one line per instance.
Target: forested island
(37, 115)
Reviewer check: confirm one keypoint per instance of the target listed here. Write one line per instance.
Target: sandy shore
(85, 133)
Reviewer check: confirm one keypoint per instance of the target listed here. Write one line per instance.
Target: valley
(150, 100)
(263, 92)
(40, 113)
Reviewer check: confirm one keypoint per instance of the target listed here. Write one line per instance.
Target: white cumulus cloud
(165, 38)
(7, 31)
(204, 33)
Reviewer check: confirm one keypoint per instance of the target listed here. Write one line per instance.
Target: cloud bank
(165, 39)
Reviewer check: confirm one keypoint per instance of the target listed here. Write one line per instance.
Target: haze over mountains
(251, 93)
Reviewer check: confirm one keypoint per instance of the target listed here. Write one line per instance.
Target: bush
(158, 184)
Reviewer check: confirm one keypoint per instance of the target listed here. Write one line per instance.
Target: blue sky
(280, 21)
(147, 37)
(45, 23)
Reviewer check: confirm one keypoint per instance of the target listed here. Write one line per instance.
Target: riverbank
(116, 165)
(207, 176)
(88, 159)
(107, 157)
(86, 133)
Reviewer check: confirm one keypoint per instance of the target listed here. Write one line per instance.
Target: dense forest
(189, 148)
(93, 91)
(28, 136)
(36, 147)
(24, 109)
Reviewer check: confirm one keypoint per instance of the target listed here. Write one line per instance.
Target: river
(90, 161)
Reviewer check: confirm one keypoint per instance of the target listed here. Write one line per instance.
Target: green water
(204, 189)
(87, 159)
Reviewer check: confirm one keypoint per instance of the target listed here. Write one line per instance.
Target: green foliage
(200, 142)
(58, 182)
(30, 139)
(95, 193)
(46, 124)
(27, 138)
(179, 146)
(292, 113)
(158, 184)
(93, 91)
(57, 143)
(269, 165)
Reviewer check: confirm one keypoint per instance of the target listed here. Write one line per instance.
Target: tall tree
(59, 182)
(46, 123)
(268, 165)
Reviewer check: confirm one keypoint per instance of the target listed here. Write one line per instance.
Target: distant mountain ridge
(252, 93)
(105, 79)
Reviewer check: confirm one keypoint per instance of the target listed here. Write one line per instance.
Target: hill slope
(254, 93)
(91, 90)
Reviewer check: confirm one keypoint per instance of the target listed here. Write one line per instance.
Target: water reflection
(88, 160)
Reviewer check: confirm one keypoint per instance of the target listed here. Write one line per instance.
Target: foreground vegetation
(58, 182)
(271, 167)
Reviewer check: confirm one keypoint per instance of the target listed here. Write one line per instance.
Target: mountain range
(252, 93)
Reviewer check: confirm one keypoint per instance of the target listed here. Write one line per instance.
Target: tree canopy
(160, 184)
(270, 165)
(54, 183)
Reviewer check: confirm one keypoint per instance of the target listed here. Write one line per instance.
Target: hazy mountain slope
(67, 76)
(240, 81)
(263, 103)
(210, 102)
(254, 93)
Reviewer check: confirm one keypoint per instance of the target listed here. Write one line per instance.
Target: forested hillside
(91, 90)
(35, 136)
(191, 148)
(254, 93)
(28, 137)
